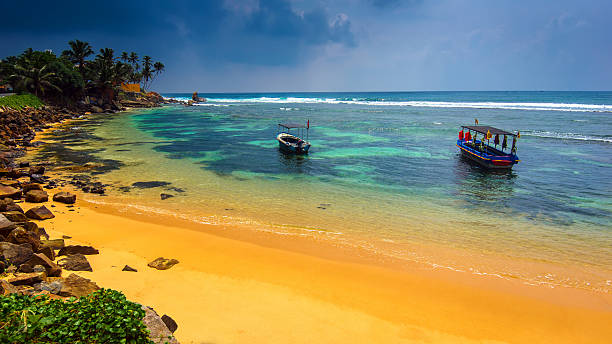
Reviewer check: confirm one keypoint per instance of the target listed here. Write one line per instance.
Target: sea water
(383, 173)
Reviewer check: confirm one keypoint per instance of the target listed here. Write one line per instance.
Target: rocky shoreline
(32, 263)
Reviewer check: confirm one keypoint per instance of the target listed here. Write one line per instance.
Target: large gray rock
(40, 213)
(8, 204)
(74, 249)
(15, 216)
(20, 236)
(9, 192)
(52, 269)
(15, 254)
(77, 286)
(64, 197)
(75, 262)
(36, 196)
(6, 225)
(158, 331)
(162, 263)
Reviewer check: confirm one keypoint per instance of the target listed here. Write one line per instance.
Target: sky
(343, 45)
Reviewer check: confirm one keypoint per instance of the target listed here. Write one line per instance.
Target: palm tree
(77, 54)
(158, 67)
(147, 71)
(125, 57)
(36, 79)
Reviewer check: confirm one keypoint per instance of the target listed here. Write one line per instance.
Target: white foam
(418, 103)
(567, 136)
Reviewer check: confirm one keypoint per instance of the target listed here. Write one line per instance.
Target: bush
(104, 316)
(19, 101)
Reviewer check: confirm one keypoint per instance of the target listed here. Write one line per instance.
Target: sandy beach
(231, 291)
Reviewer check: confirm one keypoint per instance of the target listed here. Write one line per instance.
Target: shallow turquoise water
(383, 166)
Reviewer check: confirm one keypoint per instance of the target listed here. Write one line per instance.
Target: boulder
(20, 236)
(39, 213)
(8, 204)
(170, 323)
(77, 249)
(129, 268)
(165, 196)
(37, 170)
(51, 268)
(64, 197)
(47, 251)
(9, 192)
(96, 109)
(37, 178)
(52, 287)
(158, 331)
(55, 244)
(6, 288)
(36, 196)
(27, 279)
(6, 225)
(15, 216)
(75, 262)
(162, 263)
(15, 254)
(31, 186)
(77, 286)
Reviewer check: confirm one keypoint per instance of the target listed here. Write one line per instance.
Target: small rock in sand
(162, 263)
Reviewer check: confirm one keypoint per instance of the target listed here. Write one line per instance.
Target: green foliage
(101, 317)
(19, 101)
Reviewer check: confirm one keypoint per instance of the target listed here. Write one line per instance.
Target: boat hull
(487, 160)
(291, 148)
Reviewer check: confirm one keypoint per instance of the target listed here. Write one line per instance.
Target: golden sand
(232, 291)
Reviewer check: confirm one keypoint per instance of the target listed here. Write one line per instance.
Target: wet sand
(234, 291)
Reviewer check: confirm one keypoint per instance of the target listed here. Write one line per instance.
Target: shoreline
(432, 304)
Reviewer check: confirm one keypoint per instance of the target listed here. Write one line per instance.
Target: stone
(75, 262)
(6, 288)
(51, 268)
(170, 323)
(39, 213)
(77, 286)
(64, 197)
(6, 225)
(36, 196)
(52, 287)
(129, 268)
(162, 263)
(165, 196)
(47, 251)
(39, 268)
(37, 178)
(158, 331)
(96, 109)
(15, 254)
(27, 279)
(20, 236)
(77, 249)
(37, 170)
(31, 186)
(55, 244)
(8, 204)
(149, 185)
(9, 192)
(15, 216)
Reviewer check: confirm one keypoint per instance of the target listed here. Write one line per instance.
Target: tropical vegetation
(104, 316)
(20, 101)
(77, 72)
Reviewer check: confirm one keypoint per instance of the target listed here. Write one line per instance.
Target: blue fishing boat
(482, 152)
(290, 143)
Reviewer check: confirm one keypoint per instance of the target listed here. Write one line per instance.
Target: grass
(20, 101)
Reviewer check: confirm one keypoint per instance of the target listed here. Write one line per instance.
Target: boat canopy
(292, 125)
(483, 129)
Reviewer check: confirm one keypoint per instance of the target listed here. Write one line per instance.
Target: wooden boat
(293, 144)
(481, 150)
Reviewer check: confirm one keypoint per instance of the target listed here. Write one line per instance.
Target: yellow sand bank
(231, 291)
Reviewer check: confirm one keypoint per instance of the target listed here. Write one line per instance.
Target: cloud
(392, 3)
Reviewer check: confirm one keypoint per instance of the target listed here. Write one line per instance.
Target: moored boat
(482, 152)
(290, 143)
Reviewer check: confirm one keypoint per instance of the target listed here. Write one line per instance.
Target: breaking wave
(568, 136)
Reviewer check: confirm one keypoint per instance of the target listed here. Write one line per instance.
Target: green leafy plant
(104, 316)
(19, 101)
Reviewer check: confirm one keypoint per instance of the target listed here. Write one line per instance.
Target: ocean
(383, 174)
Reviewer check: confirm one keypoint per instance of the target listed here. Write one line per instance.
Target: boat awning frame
(292, 125)
(484, 128)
